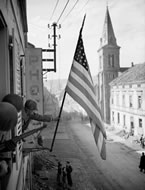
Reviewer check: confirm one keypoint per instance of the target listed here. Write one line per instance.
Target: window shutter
(17, 90)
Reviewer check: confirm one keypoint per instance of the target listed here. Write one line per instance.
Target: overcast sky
(128, 20)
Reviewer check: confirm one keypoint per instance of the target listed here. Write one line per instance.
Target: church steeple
(109, 66)
(108, 36)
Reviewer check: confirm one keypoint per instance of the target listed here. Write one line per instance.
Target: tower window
(111, 60)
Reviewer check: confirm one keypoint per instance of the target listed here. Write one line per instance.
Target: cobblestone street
(85, 175)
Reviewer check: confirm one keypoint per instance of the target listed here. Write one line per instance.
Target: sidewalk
(131, 142)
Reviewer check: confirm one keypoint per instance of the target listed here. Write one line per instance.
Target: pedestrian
(142, 162)
(59, 172)
(68, 173)
(64, 177)
(142, 141)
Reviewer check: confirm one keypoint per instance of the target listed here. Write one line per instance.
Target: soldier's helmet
(8, 116)
(15, 100)
(31, 105)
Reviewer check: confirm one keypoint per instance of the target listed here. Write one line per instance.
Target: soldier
(59, 172)
(8, 120)
(68, 172)
(30, 113)
(15, 100)
(142, 162)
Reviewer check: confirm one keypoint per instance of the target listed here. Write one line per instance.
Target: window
(118, 118)
(139, 101)
(112, 100)
(124, 120)
(140, 123)
(117, 99)
(100, 62)
(113, 116)
(123, 100)
(111, 60)
(130, 101)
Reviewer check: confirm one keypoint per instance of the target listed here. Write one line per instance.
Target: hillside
(56, 89)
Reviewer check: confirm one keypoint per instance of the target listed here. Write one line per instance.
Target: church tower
(108, 66)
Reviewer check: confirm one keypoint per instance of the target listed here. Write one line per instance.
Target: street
(74, 142)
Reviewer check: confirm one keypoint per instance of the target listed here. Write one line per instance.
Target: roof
(122, 69)
(135, 74)
(108, 36)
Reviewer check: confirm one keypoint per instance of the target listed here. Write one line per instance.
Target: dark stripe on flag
(83, 90)
(102, 145)
(83, 77)
(87, 109)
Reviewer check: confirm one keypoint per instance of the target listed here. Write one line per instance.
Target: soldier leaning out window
(30, 113)
(8, 121)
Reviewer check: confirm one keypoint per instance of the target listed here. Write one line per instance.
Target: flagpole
(83, 23)
(57, 122)
(63, 99)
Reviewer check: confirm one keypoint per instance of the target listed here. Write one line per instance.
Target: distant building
(127, 100)
(109, 66)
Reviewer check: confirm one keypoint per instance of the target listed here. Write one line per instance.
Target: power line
(71, 10)
(38, 27)
(85, 5)
(63, 10)
(54, 9)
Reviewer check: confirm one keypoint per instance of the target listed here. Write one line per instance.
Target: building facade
(13, 42)
(109, 66)
(127, 101)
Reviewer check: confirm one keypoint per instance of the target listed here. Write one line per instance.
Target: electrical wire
(85, 5)
(54, 9)
(70, 10)
(63, 11)
(38, 27)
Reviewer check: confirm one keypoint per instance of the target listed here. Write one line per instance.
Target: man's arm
(45, 118)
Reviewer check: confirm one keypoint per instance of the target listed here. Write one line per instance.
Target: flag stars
(80, 56)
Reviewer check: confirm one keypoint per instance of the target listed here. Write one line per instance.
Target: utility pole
(53, 50)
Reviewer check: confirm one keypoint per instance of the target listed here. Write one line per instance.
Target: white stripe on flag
(90, 105)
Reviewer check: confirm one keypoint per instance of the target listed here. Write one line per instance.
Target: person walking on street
(142, 162)
(64, 177)
(68, 172)
(59, 172)
(142, 141)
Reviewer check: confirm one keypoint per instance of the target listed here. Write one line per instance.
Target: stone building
(13, 41)
(109, 66)
(127, 101)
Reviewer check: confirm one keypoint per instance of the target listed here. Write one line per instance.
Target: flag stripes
(100, 141)
(81, 92)
(81, 72)
(80, 87)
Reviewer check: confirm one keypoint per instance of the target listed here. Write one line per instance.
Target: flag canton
(80, 56)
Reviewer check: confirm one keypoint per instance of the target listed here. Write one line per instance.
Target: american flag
(80, 87)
